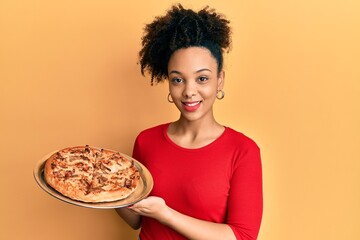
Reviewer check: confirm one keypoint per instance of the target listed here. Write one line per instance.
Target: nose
(190, 89)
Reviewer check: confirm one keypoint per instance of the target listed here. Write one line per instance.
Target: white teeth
(192, 104)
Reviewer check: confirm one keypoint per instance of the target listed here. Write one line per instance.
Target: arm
(245, 202)
(189, 227)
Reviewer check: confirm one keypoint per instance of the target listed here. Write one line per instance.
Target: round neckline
(171, 142)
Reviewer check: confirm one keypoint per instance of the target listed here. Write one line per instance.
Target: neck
(196, 122)
(194, 134)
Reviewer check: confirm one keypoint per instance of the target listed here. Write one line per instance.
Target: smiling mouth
(191, 106)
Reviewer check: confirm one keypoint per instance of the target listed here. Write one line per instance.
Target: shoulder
(240, 139)
(246, 154)
(153, 132)
(149, 140)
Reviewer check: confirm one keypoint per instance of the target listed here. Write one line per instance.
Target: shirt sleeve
(136, 154)
(245, 204)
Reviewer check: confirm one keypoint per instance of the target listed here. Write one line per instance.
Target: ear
(221, 80)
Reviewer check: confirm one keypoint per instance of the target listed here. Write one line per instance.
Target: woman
(207, 177)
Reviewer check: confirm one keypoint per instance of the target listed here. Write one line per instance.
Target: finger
(135, 211)
(139, 204)
(134, 206)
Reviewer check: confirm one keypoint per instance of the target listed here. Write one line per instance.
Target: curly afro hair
(182, 28)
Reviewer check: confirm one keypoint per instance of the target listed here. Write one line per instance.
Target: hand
(189, 227)
(154, 207)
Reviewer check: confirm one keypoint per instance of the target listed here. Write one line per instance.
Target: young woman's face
(193, 82)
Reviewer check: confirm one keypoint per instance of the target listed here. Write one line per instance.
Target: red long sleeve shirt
(220, 182)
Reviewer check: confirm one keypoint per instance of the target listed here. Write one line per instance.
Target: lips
(191, 106)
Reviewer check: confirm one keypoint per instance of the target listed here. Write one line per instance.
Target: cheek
(208, 93)
(175, 92)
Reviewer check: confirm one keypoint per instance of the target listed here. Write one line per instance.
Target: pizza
(92, 175)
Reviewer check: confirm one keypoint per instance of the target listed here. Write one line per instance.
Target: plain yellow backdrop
(69, 76)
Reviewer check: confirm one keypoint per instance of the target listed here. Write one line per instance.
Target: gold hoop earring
(222, 94)
(169, 98)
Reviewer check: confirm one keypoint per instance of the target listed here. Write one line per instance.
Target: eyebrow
(200, 70)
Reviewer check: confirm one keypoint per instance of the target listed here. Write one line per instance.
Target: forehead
(192, 59)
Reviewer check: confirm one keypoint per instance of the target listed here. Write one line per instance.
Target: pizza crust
(89, 174)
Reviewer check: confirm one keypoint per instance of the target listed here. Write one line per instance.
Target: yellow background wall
(69, 76)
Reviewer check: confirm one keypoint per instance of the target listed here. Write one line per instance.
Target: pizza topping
(102, 180)
(128, 183)
(68, 174)
(59, 156)
(86, 185)
(62, 164)
(53, 165)
(87, 149)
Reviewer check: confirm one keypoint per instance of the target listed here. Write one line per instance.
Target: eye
(177, 80)
(203, 79)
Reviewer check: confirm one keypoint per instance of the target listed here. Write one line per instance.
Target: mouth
(191, 106)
